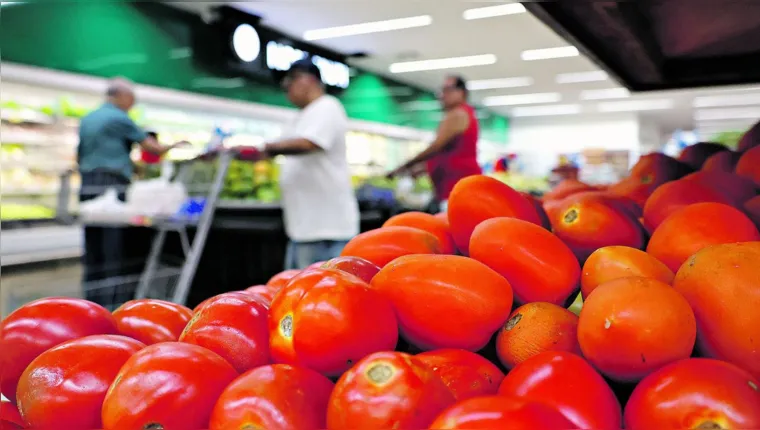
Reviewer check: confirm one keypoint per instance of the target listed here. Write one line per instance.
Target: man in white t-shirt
(319, 205)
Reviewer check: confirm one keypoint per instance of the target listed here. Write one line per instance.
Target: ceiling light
(733, 100)
(443, 63)
(490, 84)
(545, 110)
(522, 99)
(493, 11)
(635, 105)
(725, 114)
(610, 93)
(548, 53)
(573, 78)
(368, 27)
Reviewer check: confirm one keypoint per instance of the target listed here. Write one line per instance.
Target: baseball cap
(304, 65)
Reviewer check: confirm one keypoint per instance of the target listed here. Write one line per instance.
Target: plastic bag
(156, 197)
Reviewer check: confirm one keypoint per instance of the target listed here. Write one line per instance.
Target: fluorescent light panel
(443, 63)
(490, 84)
(549, 53)
(732, 100)
(368, 28)
(635, 105)
(550, 110)
(493, 11)
(726, 114)
(609, 93)
(574, 78)
(522, 99)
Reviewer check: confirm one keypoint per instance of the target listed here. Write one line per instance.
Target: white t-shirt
(317, 197)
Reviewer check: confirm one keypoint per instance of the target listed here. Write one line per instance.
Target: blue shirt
(106, 136)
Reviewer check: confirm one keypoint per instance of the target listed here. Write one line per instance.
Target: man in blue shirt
(106, 137)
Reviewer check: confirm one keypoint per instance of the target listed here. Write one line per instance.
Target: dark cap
(459, 82)
(305, 65)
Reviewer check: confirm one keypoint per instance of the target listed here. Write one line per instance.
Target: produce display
(458, 320)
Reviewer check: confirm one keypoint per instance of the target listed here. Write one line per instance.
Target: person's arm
(454, 123)
(316, 131)
(295, 146)
(147, 143)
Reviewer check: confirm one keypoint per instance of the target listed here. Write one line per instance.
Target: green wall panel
(150, 44)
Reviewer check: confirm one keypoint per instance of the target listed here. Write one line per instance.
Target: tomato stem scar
(513, 322)
(153, 426)
(286, 326)
(380, 373)
(752, 385)
(571, 216)
(708, 425)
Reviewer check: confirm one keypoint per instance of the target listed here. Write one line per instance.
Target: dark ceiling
(663, 44)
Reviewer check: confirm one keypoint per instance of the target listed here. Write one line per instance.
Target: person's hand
(396, 172)
(181, 144)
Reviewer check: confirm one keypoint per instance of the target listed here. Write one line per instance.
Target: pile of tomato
(467, 319)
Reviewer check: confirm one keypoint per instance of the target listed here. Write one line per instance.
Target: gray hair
(118, 86)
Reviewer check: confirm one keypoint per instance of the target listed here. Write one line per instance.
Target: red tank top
(458, 160)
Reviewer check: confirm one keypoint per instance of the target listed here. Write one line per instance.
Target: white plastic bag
(156, 197)
(104, 208)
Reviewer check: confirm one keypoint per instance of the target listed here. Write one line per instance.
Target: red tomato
(465, 373)
(42, 324)
(696, 393)
(65, 386)
(477, 198)
(387, 390)
(428, 223)
(356, 266)
(166, 386)
(234, 326)
(265, 292)
(386, 244)
(327, 320)
(10, 416)
(445, 301)
(537, 264)
(281, 279)
(273, 397)
(567, 382)
(152, 321)
(495, 412)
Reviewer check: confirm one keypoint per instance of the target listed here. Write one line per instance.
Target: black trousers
(103, 246)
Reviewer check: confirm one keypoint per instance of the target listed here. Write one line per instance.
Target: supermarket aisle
(22, 286)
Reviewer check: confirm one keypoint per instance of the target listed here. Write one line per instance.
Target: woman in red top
(453, 154)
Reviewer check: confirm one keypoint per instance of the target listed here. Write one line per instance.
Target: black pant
(103, 246)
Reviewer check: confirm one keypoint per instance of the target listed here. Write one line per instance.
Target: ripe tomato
(538, 266)
(281, 279)
(384, 245)
(40, 325)
(356, 266)
(615, 262)
(166, 386)
(696, 393)
(567, 382)
(477, 198)
(721, 283)
(265, 292)
(387, 390)
(276, 396)
(566, 188)
(748, 165)
(327, 320)
(535, 328)
(465, 373)
(494, 412)
(430, 291)
(233, 325)
(64, 387)
(428, 223)
(631, 327)
(674, 195)
(10, 418)
(152, 321)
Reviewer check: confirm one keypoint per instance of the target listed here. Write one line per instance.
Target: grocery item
(615, 262)
(466, 373)
(384, 245)
(493, 412)
(152, 321)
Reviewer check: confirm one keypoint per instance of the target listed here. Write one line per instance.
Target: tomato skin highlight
(538, 266)
(429, 223)
(275, 396)
(695, 392)
(233, 325)
(387, 390)
(557, 378)
(428, 290)
(264, 292)
(615, 262)
(328, 319)
(466, 373)
(494, 412)
(40, 325)
(174, 385)
(383, 245)
(152, 321)
(65, 386)
(359, 267)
